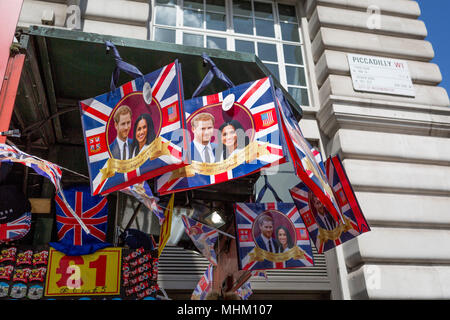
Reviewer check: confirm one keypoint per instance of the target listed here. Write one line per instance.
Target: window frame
(230, 35)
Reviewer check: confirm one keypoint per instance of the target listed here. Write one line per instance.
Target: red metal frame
(9, 91)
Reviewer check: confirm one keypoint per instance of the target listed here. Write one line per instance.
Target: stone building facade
(395, 149)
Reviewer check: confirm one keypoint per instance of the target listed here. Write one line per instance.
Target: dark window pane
(300, 95)
(215, 5)
(193, 39)
(267, 52)
(292, 54)
(264, 28)
(193, 18)
(216, 21)
(193, 4)
(166, 15)
(164, 35)
(243, 25)
(245, 46)
(287, 13)
(242, 7)
(274, 69)
(296, 76)
(289, 31)
(263, 10)
(216, 43)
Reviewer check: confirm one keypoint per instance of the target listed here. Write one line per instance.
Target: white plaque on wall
(381, 75)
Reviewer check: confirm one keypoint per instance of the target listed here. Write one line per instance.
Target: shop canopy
(63, 67)
(75, 66)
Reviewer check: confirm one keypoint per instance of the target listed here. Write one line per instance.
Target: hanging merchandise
(166, 226)
(51, 171)
(271, 235)
(143, 193)
(92, 210)
(139, 273)
(203, 236)
(245, 291)
(232, 134)
(130, 131)
(306, 162)
(325, 232)
(15, 214)
(204, 286)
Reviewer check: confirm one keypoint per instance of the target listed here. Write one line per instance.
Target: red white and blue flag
(92, 210)
(252, 254)
(97, 117)
(15, 229)
(308, 162)
(42, 167)
(324, 232)
(203, 236)
(245, 291)
(143, 193)
(257, 102)
(204, 286)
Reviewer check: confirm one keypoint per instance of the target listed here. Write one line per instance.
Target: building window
(266, 28)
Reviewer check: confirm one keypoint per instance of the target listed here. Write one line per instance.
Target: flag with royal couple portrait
(306, 160)
(271, 236)
(233, 133)
(325, 232)
(135, 132)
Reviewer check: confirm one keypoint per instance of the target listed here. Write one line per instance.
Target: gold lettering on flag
(164, 233)
(155, 150)
(259, 254)
(250, 153)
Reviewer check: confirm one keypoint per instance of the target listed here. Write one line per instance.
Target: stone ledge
(384, 176)
(368, 115)
(397, 245)
(358, 21)
(400, 282)
(115, 29)
(401, 8)
(405, 210)
(371, 145)
(32, 12)
(336, 62)
(118, 11)
(342, 86)
(370, 44)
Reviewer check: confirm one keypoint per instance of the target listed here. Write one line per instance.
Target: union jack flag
(42, 167)
(204, 286)
(257, 101)
(15, 229)
(245, 291)
(203, 236)
(91, 210)
(327, 234)
(143, 193)
(307, 161)
(252, 253)
(96, 118)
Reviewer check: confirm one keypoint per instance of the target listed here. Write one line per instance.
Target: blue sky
(436, 15)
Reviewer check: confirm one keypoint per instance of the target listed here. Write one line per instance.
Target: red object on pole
(10, 67)
(9, 15)
(9, 91)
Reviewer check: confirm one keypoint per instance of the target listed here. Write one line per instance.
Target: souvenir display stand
(144, 141)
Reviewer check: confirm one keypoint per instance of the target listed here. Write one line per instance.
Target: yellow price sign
(87, 275)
